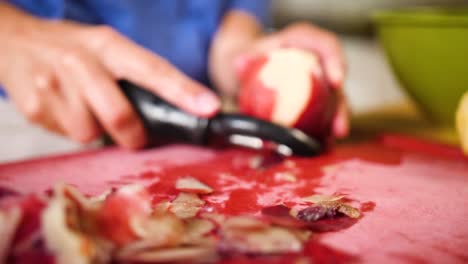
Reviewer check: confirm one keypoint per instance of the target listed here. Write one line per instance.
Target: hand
(308, 37)
(63, 75)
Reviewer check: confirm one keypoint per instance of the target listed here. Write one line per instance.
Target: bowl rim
(427, 16)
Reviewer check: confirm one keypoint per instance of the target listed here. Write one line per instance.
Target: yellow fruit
(462, 122)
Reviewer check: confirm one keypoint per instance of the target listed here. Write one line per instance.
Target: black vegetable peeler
(166, 123)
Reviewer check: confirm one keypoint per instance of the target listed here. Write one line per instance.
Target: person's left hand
(308, 37)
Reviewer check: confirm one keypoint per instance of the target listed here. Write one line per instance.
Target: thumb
(340, 125)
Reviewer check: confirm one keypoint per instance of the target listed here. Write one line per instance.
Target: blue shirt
(178, 30)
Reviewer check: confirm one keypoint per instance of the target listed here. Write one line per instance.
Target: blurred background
(419, 53)
(348, 17)
(377, 99)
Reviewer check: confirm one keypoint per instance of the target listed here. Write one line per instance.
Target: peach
(288, 87)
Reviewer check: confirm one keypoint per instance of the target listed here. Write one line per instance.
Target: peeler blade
(255, 133)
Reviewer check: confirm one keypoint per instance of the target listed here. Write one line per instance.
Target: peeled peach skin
(120, 208)
(288, 87)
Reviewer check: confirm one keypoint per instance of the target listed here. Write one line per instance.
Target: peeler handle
(164, 122)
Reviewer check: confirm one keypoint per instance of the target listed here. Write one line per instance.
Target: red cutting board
(414, 194)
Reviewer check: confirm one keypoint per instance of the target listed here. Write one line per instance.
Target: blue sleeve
(42, 8)
(258, 8)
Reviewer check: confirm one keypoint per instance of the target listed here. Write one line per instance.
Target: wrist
(14, 22)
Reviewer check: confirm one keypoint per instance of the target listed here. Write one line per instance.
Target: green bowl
(428, 51)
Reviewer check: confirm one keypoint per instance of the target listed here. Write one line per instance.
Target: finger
(125, 60)
(341, 119)
(47, 86)
(74, 115)
(261, 47)
(325, 43)
(32, 101)
(105, 100)
(264, 45)
(307, 37)
(55, 114)
(53, 126)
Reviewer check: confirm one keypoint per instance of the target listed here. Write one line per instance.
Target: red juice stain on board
(241, 201)
(149, 174)
(6, 192)
(367, 206)
(319, 253)
(269, 159)
(238, 186)
(162, 190)
(243, 184)
(247, 188)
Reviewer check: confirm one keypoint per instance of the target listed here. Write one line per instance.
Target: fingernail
(206, 103)
(336, 76)
(340, 127)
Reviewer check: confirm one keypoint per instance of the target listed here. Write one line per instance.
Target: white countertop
(370, 86)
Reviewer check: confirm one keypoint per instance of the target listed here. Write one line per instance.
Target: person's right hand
(63, 76)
